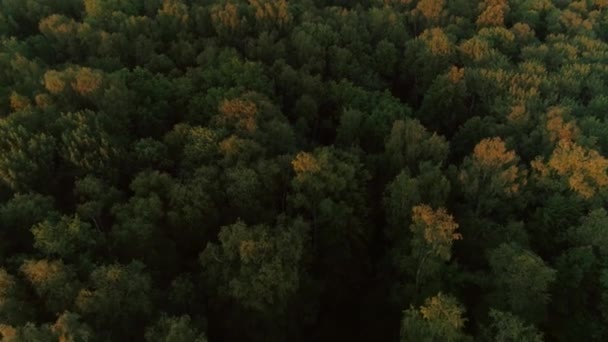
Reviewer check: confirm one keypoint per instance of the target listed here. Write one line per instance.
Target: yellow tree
(583, 169)
(271, 11)
(431, 10)
(439, 319)
(493, 13)
(434, 233)
(490, 175)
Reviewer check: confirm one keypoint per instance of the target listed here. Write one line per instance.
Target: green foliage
(18, 215)
(273, 170)
(258, 267)
(521, 281)
(26, 158)
(68, 238)
(117, 296)
(409, 143)
(14, 310)
(508, 327)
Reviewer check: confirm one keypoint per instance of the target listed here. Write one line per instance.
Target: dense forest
(305, 170)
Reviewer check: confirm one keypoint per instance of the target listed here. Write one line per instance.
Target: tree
(493, 13)
(443, 106)
(521, 281)
(94, 200)
(70, 328)
(18, 215)
(54, 283)
(26, 157)
(117, 299)
(410, 143)
(426, 57)
(591, 231)
(26, 333)
(439, 319)
(491, 175)
(14, 309)
(434, 232)
(67, 237)
(328, 189)
(87, 145)
(174, 329)
(405, 191)
(258, 267)
(508, 327)
(139, 224)
(582, 169)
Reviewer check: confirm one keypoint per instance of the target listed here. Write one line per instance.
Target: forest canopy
(307, 170)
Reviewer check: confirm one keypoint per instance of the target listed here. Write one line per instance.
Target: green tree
(521, 281)
(18, 215)
(26, 158)
(67, 237)
(410, 143)
(14, 309)
(259, 267)
(508, 327)
(117, 299)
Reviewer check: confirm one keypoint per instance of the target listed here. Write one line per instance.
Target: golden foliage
(498, 76)
(54, 82)
(525, 85)
(456, 74)
(585, 168)
(493, 13)
(518, 113)
(439, 228)
(443, 309)
(232, 146)
(226, 16)
(601, 3)
(19, 102)
(41, 271)
(43, 100)
(557, 128)
(490, 156)
(523, 31)
(176, 9)
(273, 10)
(305, 163)
(87, 81)
(533, 67)
(578, 6)
(492, 153)
(57, 26)
(436, 41)
(591, 47)
(243, 112)
(431, 9)
(475, 48)
(8, 332)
